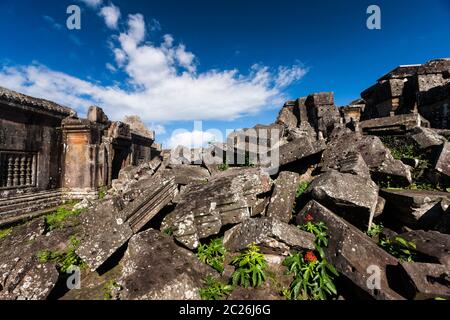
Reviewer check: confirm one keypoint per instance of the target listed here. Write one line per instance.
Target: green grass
(213, 254)
(55, 220)
(214, 289)
(250, 267)
(65, 259)
(5, 232)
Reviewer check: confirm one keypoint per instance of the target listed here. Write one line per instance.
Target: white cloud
(193, 139)
(162, 85)
(52, 22)
(110, 67)
(111, 14)
(92, 3)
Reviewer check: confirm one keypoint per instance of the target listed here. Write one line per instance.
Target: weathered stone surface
(417, 208)
(272, 235)
(377, 157)
(299, 149)
(426, 138)
(354, 163)
(96, 114)
(443, 163)
(120, 222)
(398, 124)
(287, 116)
(186, 174)
(22, 276)
(354, 197)
(423, 281)
(283, 197)
(321, 98)
(431, 243)
(352, 252)
(228, 198)
(155, 268)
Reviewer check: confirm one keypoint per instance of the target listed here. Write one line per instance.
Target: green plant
(375, 230)
(102, 192)
(5, 232)
(214, 289)
(223, 167)
(108, 288)
(54, 220)
(64, 260)
(399, 248)
(313, 278)
(213, 254)
(448, 189)
(319, 230)
(168, 231)
(300, 190)
(250, 267)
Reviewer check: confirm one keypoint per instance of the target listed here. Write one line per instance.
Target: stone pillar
(80, 160)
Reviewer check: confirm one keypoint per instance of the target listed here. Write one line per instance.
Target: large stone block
(299, 149)
(377, 157)
(417, 208)
(274, 236)
(432, 244)
(155, 268)
(228, 198)
(423, 281)
(443, 163)
(353, 253)
(354, 197)
(120, 222)
(283, 197)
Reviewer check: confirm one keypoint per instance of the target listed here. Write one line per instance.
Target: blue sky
(231, 63)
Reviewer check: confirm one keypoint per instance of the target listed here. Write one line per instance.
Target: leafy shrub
(213, 254)
(375, 230)
(319, 230)
(399, 248)
(168, 231)
(250, 267)
(64, 260)
(313, 277)
(214, 289)
(5, 232)
(54, 220)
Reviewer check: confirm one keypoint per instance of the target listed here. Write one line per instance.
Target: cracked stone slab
(271, 234)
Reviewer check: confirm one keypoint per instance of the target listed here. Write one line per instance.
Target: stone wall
(48, 154)
(407, 89)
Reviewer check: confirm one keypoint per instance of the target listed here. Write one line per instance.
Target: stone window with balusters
(17, 169)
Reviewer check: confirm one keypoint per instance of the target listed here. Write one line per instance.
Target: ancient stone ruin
(49, 155)
(361, 191)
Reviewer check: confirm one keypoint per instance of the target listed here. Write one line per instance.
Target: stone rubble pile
(391, 169)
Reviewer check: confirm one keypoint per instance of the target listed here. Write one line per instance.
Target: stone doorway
(119, 161)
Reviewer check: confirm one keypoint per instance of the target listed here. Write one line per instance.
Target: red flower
(310, 257)
(309, 217)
